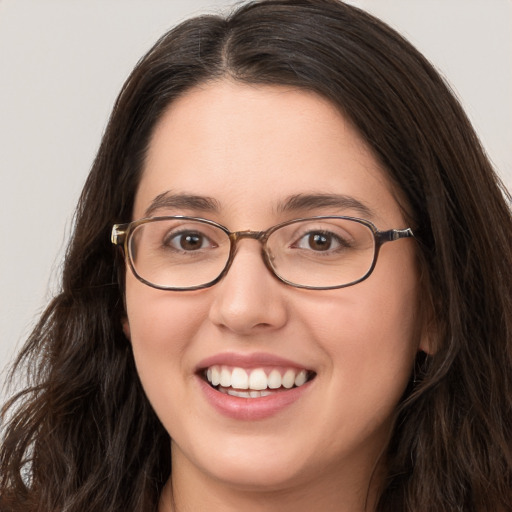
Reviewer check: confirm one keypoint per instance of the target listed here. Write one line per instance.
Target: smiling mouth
(256, 382)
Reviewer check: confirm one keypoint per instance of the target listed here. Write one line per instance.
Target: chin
(250, 465)
(267, 477)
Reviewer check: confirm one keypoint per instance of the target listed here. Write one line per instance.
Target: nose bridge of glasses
(255, 235)
(259, 236)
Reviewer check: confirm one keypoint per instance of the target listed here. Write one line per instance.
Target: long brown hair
(82, 436)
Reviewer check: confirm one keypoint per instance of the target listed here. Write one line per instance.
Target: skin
(250, 148)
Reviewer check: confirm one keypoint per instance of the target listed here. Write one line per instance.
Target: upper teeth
(256, 379)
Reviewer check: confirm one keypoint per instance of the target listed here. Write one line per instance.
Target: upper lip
(253, 360)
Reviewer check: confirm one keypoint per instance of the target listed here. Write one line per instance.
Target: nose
(249, 298)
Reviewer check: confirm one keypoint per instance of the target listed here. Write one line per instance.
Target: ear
(427, 326)
(429, 335)
(126, 328)
(427, 345)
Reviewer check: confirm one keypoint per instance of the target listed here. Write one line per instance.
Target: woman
(307, 304)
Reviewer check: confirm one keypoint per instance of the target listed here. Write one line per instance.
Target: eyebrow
(168, 200)
(294, 203)
(300, 202)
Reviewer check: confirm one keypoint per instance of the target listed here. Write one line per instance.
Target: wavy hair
(82, 435)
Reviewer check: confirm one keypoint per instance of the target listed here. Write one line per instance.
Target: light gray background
(62, 62)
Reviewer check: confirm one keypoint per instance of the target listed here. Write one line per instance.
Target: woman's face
(250, 149)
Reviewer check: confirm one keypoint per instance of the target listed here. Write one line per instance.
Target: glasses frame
(121, 235)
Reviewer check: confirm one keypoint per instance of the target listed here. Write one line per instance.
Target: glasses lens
(178, 253)
(322, 253)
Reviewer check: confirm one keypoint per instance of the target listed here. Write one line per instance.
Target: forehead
(249, 148)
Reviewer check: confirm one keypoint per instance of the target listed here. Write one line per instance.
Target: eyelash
(342, 242)
(168, 240)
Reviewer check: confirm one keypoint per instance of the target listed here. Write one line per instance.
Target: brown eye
(319, 241)
(191, 242)
(188, 241)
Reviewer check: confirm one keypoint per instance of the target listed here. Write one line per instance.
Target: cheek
(159, 320)
(372, 345)
(162, 325)
(370, 334)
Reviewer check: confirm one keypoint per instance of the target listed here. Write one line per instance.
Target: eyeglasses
(189, 253)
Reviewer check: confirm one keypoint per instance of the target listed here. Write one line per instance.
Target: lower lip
(250, 409)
